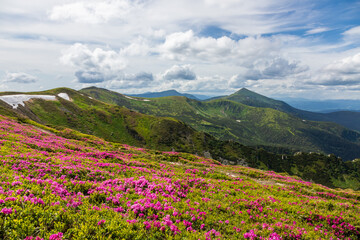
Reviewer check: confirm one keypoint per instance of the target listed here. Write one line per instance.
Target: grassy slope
(227, 119)
(110, 122)
(81, 186)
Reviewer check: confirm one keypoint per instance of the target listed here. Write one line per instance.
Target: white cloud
(317, 30)
(352, 35)
(19, 77)
(176, 72)
(92, 12)
(185, 45)
(344, 72)
(349, 65)
(93, 66)
(139, 47)
(213, 85)
(280, 67)
(353, 31)
(86, 76)
(130, 81)
(277, 68)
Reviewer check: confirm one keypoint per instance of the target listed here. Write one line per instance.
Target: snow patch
(16, 100)
(64, 96)
(129, 97)
(144, 100)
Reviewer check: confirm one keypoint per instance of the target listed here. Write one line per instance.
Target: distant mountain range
(324, 106)
(248, 118)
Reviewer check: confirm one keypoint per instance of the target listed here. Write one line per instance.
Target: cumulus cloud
(141, 76)
(343, 72)
(89, 76)
(92, 11)
(277, 68)
(349, 65)
(93, 66)
(139, 47)
(186, 45)
(212, 85)
(280, 67)
(132, 81)
(183, 72)
(19, 77)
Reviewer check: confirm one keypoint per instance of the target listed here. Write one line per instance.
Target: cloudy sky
(280, 48)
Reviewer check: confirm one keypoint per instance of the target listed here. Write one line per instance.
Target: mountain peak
(245, 92)
(250, 98)
(172, 91)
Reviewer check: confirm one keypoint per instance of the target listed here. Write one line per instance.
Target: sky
(280, 48)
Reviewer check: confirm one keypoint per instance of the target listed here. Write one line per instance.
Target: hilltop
(66, 185)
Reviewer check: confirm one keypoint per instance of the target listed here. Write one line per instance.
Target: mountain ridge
(166, 93)
(227, 119)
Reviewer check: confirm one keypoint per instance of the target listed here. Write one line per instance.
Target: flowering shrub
(53, 187)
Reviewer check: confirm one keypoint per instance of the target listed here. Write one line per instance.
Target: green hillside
(119, 124)
(113, 123)
(227, 119)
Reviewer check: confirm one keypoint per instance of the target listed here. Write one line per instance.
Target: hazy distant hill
(228, 119)
(163, 94)
(324, 106)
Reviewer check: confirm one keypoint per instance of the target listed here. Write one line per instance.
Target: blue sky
(284, 48)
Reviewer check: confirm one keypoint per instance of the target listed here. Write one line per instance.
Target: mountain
(164, 94)
(119, 124)
(347, 119)
(228, 119)
(63, 108)
(82, 187)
